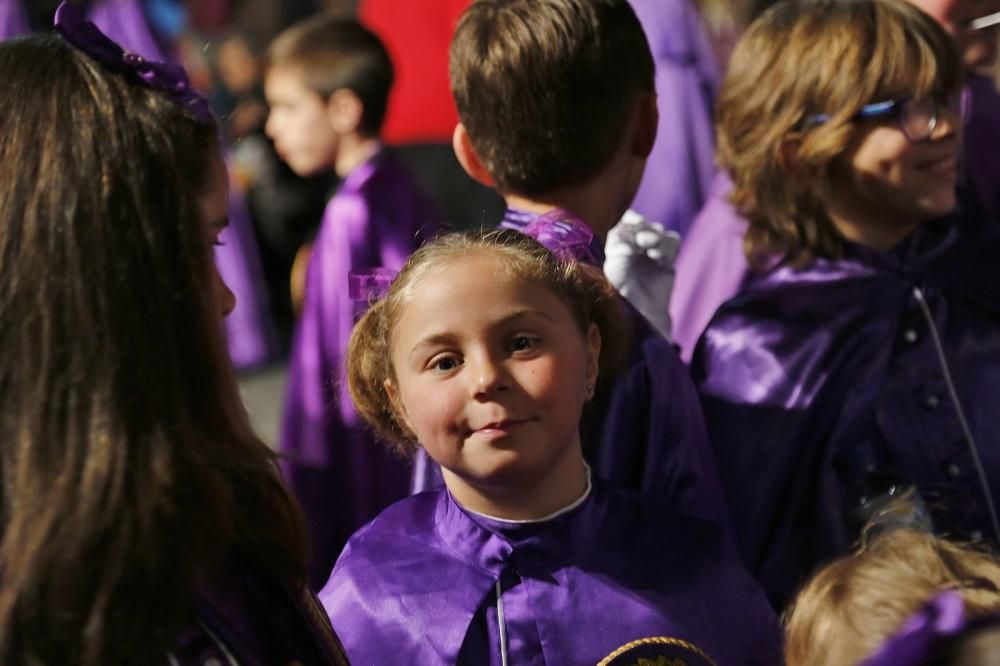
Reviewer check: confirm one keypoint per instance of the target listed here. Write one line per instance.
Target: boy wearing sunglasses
(865, 360)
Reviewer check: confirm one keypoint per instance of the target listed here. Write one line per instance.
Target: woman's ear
(593, 354)
(467, 157)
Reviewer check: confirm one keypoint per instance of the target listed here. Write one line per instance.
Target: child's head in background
(886, 601)
(327, 83)
(553, 95)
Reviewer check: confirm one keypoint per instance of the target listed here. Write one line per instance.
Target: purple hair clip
(941, 617)
(365, 287)
(563, 234)
(171, 79)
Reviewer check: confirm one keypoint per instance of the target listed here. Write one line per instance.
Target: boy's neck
(881, 232)
(590, 204)
(563, 485)
(353, 151)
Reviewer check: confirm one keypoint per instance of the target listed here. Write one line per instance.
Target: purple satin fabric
(250, 332)
(680, 169)
(710, 267)
(644, 431)
(824, 396)
(124, 21)
(342, 476)
(418, 586)
(13, 20)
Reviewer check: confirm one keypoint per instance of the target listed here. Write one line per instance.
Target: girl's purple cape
(644, 431)
(419, 586)
(679, 171)
(824, 396)
(124, 21)
(711, 267)
(249, 330)
(341, 474)
(13, 21)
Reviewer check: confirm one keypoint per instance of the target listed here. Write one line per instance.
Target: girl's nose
(488, 377)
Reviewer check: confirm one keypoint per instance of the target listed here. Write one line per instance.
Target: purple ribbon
(941, 617)
(562, 234)
(366, 287)
(171, 79)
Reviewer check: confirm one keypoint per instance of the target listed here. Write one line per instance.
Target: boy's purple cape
(124, 21)
(419, 586)
(341, 474)
(13, 21)
(824, 396)
(711, 266)
(644, 431)
(680, 168)
(249, 330)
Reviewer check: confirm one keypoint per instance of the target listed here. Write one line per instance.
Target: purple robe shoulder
(679, 170)
(710, 267)
(429, 583)
(644, 431)
(13, 21)
(827, 390)
(342, 476)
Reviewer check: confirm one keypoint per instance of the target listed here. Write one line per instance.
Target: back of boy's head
(546, 88)
(851, 606)
(334, 53)
(584, 290)
(807, 57)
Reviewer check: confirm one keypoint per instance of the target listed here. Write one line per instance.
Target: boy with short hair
(327, 83)
(558, 111)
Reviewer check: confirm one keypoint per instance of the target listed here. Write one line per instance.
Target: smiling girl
(865, 360)
(485, 351)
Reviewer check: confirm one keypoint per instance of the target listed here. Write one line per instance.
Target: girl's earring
(590, 391)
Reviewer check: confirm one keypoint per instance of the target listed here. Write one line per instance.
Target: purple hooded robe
(829, 389)
(342, 476)
(420, 585)
(679, 171)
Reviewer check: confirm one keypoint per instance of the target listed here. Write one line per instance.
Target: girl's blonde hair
(803, 58)
(582, 288)
(853, 604)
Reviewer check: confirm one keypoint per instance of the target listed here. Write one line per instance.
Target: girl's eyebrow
(444, 338)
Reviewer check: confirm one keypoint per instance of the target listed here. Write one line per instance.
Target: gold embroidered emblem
(658, 651)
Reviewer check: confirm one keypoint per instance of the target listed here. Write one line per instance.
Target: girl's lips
(497, 428)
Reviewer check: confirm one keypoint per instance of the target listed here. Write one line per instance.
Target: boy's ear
(467, 157)
(345, 111)
(647, 121)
